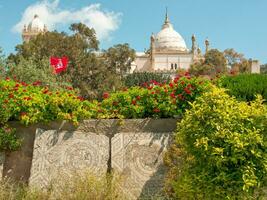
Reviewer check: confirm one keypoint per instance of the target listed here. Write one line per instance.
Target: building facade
(35, 27)
(168, 52)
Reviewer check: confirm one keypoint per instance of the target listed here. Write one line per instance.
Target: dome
(169, 39)
(36, 24)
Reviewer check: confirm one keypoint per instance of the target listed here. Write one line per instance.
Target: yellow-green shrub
(224, 149)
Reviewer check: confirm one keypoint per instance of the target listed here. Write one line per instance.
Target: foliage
(29, 71)
(75, 186)
(214, 63)
(118, 59)
(155, 99)
(264, 69)
(8, 139)
(87, 70)
(233, 57)
(223, 149)
(33, 103)
(139, 78)
(237, 61)
(245, 86)
(2, 64)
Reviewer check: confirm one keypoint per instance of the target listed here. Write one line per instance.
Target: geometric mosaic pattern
(61, 152)
(139, 157)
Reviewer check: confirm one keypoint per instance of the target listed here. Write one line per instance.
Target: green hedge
(245, 86)
(220, 150)
(140, 78)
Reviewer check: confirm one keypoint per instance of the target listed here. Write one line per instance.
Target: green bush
(220, 151)
(245, 86)
(139, 78)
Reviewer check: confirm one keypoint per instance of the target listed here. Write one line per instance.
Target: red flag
(59, 64)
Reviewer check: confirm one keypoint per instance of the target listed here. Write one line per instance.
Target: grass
(78, 186)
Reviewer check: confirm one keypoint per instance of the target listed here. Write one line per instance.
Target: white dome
(36, 24)
(169, 39)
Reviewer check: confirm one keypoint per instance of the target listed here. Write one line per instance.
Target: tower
(207, 44)
(35, 27)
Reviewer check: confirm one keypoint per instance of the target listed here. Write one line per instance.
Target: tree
(119, 58)
(90, 72)
(264, 69)
(213, 63)
(216, 59)
(237, 61)
(28, 71)
(233, 57)
(2, 64)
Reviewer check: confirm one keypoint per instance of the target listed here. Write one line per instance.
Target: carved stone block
(65, 151)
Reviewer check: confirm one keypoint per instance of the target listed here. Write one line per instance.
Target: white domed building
(168, 52)
(35, 27)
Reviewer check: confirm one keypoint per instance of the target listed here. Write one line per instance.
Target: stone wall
(134, 148)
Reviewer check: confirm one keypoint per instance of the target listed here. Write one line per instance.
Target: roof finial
(167, 16)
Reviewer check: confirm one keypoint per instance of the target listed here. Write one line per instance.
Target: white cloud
(104, 22)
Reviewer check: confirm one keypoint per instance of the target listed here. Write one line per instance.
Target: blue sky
(238, 24)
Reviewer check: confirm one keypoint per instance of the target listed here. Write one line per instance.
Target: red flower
(145, 84)
(6, 101)
(24, 84)
(69, 88)
(156, 110)
(153, 92)
(27, 98)
(45, 91)
(182, 82)
(80, 98)
(36, 83)
(23, 114)
(134, 102)
(7, 79)
(172, 95)
(105, 95)
(180, 96)
(17, 85)
(150, 87)
(115, 103)
(171, 85)
(11, 96)
(138, 97)
(187, 91)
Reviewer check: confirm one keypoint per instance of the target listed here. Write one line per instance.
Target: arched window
(175, 65)
(172, 66)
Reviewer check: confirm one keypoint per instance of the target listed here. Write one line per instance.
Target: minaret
(207, 44)
(167, 22)
(193, 50)
(152, 52)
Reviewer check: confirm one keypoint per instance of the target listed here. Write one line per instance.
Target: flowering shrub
(8, 139)
(155, 99)
(220, 150)
(33, 103)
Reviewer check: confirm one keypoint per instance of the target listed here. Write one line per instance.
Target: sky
(238, 24)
